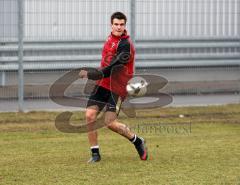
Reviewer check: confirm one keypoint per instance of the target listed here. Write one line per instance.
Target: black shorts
(102, 97)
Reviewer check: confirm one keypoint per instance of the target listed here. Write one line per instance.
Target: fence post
(20, 55)
(3, 78)
(133, 20)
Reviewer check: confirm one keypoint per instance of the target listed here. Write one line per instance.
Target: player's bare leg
(120, 128)
(91, 116)
(112, 123)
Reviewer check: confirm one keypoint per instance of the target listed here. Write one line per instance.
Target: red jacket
(117, 64)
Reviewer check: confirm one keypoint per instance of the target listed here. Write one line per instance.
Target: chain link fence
(194, 44)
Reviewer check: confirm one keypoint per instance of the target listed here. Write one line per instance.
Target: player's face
(118, 27)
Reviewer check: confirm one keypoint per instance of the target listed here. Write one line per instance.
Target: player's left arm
(121, 58)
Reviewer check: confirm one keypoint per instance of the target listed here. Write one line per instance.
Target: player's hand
(83, 74)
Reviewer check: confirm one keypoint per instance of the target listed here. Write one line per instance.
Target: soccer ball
(137, 87)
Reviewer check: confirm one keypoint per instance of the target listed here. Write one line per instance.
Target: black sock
(136, 140)
(95, 151)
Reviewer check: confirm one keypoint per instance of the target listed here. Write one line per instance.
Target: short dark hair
(118, 15)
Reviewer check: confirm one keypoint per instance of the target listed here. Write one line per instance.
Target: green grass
(33, 152)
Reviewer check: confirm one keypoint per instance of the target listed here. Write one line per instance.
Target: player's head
(118, 21)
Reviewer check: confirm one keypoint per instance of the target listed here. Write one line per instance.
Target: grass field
(201, 147)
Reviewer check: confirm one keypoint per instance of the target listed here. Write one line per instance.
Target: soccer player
(117, 67)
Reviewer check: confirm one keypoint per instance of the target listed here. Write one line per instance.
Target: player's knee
(111, 126)
(110, 123)
(90, 116)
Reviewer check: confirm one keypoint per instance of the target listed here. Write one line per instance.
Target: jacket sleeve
(122, 57)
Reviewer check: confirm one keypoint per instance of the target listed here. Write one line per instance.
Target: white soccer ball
(181, 116)
(137, 88)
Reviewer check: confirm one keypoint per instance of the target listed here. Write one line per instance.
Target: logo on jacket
(113, 44)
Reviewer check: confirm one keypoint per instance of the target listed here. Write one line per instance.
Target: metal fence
(167, 33)
(42, 39)
(89, 19)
